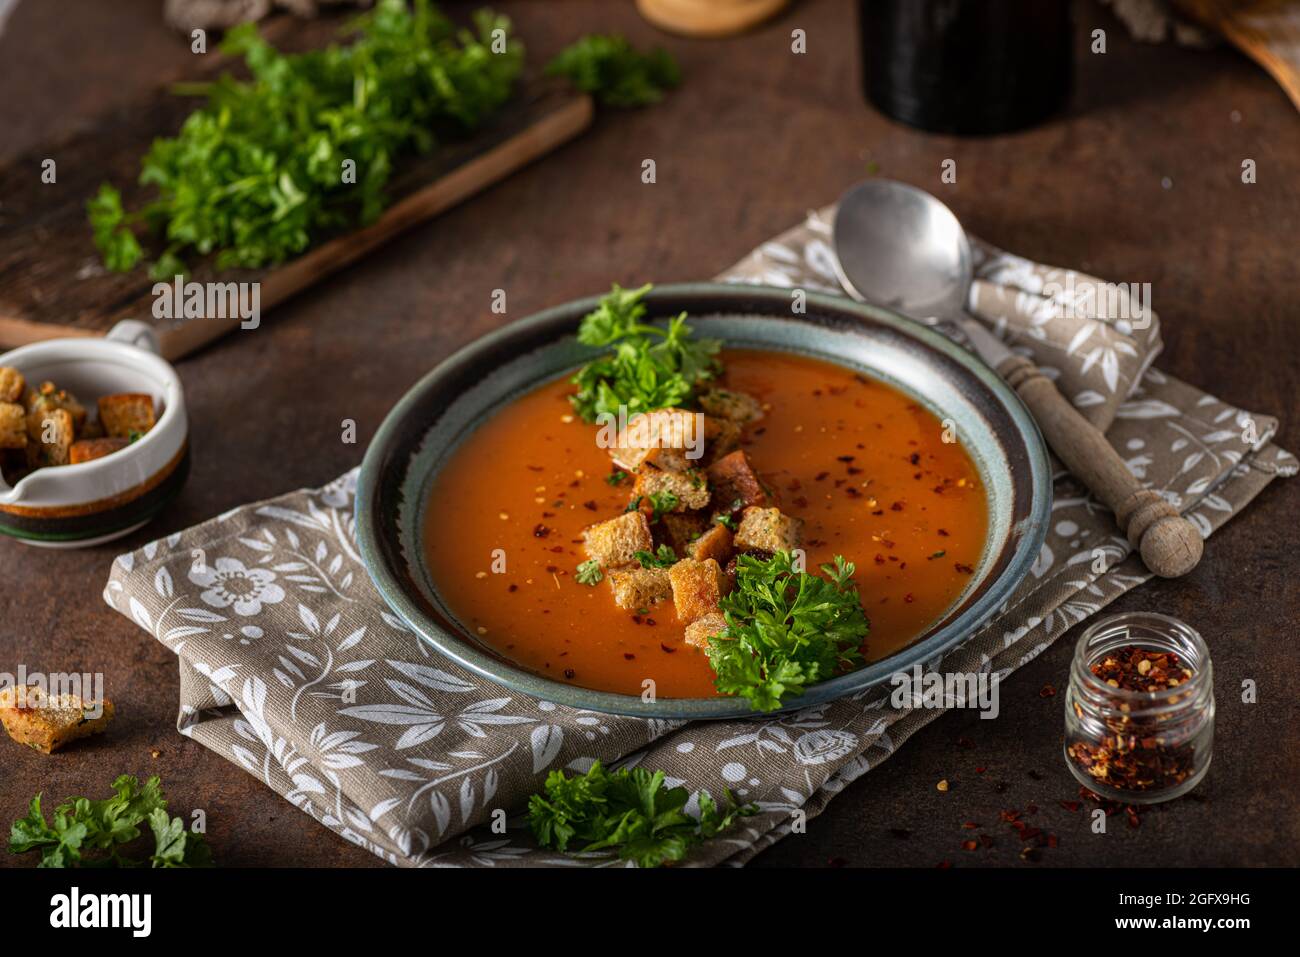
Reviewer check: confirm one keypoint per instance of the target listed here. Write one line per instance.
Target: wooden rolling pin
(1169, 544)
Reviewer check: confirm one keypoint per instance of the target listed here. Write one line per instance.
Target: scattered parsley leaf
(628, 810)
(589, 573)
(86, 833)
(615, 477)
(786, 630)
(647, 366)
(662, 502)
(610, 68)
(727, 521)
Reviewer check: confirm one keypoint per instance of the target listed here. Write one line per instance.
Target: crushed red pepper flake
(1047, 691)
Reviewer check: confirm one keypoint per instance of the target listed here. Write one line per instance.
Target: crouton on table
(733, 481)
(12, 384)
(714, 543)
(702, 629)
(690, 488)
(617, 541)
(637, 587)
(13, 426)
(87, 450)
(127, 414)
(48, 722)
(697, 587)
(734, 406)
(767, 530)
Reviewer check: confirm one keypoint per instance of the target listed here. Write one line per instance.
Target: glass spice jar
(1139, 710)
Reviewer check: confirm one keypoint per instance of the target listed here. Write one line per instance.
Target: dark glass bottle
(967, 66)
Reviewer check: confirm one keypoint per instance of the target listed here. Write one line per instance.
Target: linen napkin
(293, 668)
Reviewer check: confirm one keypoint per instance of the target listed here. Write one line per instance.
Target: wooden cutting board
(53, 283)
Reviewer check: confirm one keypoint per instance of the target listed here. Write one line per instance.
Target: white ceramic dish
(73, 506)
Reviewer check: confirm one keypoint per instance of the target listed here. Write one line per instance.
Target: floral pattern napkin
(293, 668)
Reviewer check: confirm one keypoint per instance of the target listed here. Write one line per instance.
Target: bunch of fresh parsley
(786, 630)
(629, 810)
(647, 367)
(88, 833)
(609, 67)
(257, 174)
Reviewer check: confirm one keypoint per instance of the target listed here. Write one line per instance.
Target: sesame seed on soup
(862, 464)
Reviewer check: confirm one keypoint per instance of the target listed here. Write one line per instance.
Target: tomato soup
(866, 468)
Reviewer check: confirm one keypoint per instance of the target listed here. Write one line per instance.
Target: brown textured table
(756, 136)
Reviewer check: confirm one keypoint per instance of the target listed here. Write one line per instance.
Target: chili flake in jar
(1139, 709)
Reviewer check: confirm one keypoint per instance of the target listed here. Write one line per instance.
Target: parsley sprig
(786, 630)
(607, 66)
(663, 557)
(629, 810)
(86, 833)
(647, 366)
(256, 174)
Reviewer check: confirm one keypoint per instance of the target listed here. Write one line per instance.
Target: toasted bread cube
(12, 384)
(734, 406)
(50, 434)
(735, 484)
(702, 629)
(617, 541)
(714, 543)
(49, 397)
(668, 460)
(679, 529)
(48, 722)
(637, 587)
(13, 426)
(87, 450)
(721, 437)
(690, 488)
(767, 530)
(697, 588)
(93, 429)
(127, 414)
(662, 428)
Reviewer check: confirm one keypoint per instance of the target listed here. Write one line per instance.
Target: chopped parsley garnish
(726, 521)
(661, 558)
(307, 145)
(647, 366)
(589, 573)
(628, 810)
(786, 630)
(88, 833)
(662, 502)
(611, 69)
(615, 477)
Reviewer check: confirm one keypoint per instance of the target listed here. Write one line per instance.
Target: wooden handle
(1170, 544)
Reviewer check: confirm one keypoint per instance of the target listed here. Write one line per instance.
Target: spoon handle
(1170, 545)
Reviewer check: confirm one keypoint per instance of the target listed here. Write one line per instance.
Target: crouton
(697, 588)
(679, 529)
(93, 429)
(637, 587)
(87, 450)
(48, 398)
(12, 384)
(13, 426)
(126, 414)
(735, 484)
(668, 460)
(721, 437)
(702, 629)
(689, 488)
(617, 541)
(50, 434)
(48, 722)
(714, 543)
(767, 530)
(734, 406)
(663, 428)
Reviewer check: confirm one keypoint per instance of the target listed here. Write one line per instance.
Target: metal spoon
(897, 246)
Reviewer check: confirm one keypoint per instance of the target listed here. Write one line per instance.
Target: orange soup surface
(863, 465)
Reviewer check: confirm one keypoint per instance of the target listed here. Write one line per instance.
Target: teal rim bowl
(424, 429)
